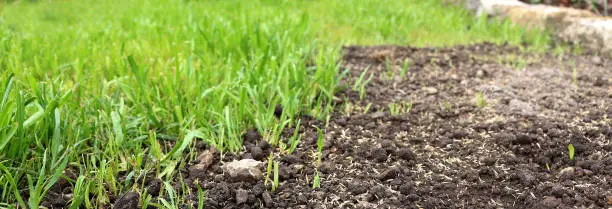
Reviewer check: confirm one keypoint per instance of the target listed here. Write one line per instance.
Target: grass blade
(7, 91)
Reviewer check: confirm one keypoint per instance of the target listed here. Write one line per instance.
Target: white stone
(243, 170)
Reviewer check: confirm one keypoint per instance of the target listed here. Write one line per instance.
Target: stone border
(570, 25)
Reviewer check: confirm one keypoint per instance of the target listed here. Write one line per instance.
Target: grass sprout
(275, 182)
(361, 83)
(399, 108)
(481, 101)
(570, 149)
(295, 139)
(446, 106)
(269, 168)
(405, 68)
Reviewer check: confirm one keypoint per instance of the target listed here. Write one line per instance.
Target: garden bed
(480, 126)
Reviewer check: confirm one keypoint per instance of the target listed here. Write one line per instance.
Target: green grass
(97, 87)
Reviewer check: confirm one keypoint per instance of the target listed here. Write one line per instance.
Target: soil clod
(278, 111)
(241, 196)
(267, 199)
(357, 188)
(379, 155)
(127, 201)
(389, 174)
(257, 153)
(252, 136)
(154, 187)
(523, 139)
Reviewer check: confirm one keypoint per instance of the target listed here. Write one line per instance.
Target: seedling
(393, 108)
(201, 197)
(446, 106)
(396, 109)
(348, 108)
(295, 140)
(547, 168)
(570, 148)
(275, 184)
(316, 182)
(80, 189)
(367, 108)
(360, 83)
(388, 68)
(520, 64)
(480, 100)
(269, 170)
(514, 61)
(146, 200)
(320, 139)
(405, 68)
(172, 196)
(317, 179)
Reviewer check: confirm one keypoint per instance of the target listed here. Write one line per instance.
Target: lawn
(91, 90)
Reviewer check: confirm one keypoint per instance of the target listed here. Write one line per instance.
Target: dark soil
(597, 6)
(452, 148)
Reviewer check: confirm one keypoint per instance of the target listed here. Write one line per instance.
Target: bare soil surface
(480, 126)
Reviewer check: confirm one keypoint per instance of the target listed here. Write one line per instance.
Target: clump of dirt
(439, 128)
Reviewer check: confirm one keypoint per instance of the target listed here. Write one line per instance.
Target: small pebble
(241, 196)
(430, 90)
(596, 60)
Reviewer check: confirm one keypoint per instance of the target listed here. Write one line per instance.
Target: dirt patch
(481, 126)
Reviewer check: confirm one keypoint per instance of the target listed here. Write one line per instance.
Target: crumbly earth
(479, 126)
